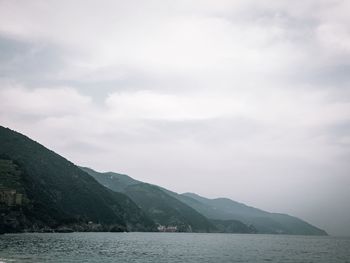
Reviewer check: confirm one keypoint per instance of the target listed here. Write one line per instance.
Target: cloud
(165, 37)
(290, 123)
(42, 102)
(213, 97)
(151, 105)
(222, 44)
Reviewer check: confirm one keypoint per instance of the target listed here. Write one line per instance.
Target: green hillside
(56, 193)
(114, 181)
(158, 205)
(164, 207)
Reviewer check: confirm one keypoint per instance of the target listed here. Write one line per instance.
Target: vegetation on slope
(59, 193)
(50, 193)
(264, 222)
(163, 207)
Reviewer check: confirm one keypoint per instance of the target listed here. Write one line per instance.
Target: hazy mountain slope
(56, 192)
(114, 181)
(264, 222)
(167, 210)
(233, 226)
(163, 207)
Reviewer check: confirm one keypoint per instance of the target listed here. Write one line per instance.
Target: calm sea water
(171, 247)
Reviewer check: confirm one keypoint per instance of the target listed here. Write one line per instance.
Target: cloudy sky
(244, 99)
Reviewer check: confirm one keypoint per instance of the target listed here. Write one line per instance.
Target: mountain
(224, 215)
(233, 226)
(264, 222)
(163, 208)
(40, 189)
(114, 181)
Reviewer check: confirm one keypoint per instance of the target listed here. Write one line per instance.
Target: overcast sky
(244, 99)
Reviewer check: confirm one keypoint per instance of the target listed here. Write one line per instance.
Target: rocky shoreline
(66, 229)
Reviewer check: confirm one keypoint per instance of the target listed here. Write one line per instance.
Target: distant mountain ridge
(114, 181)
(224, 214)
(164, 209)
(264, 222)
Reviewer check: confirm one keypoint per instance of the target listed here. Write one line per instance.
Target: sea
(171, 247)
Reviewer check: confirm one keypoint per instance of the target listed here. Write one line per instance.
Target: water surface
(171, 247)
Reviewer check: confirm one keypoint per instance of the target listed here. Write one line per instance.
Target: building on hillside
(10, 197)
(167, 228)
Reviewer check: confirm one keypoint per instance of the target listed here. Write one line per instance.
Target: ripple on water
(171, 248)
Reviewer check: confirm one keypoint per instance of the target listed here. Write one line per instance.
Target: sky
(244, 99)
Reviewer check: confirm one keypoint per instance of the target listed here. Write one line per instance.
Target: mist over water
(171, 248)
